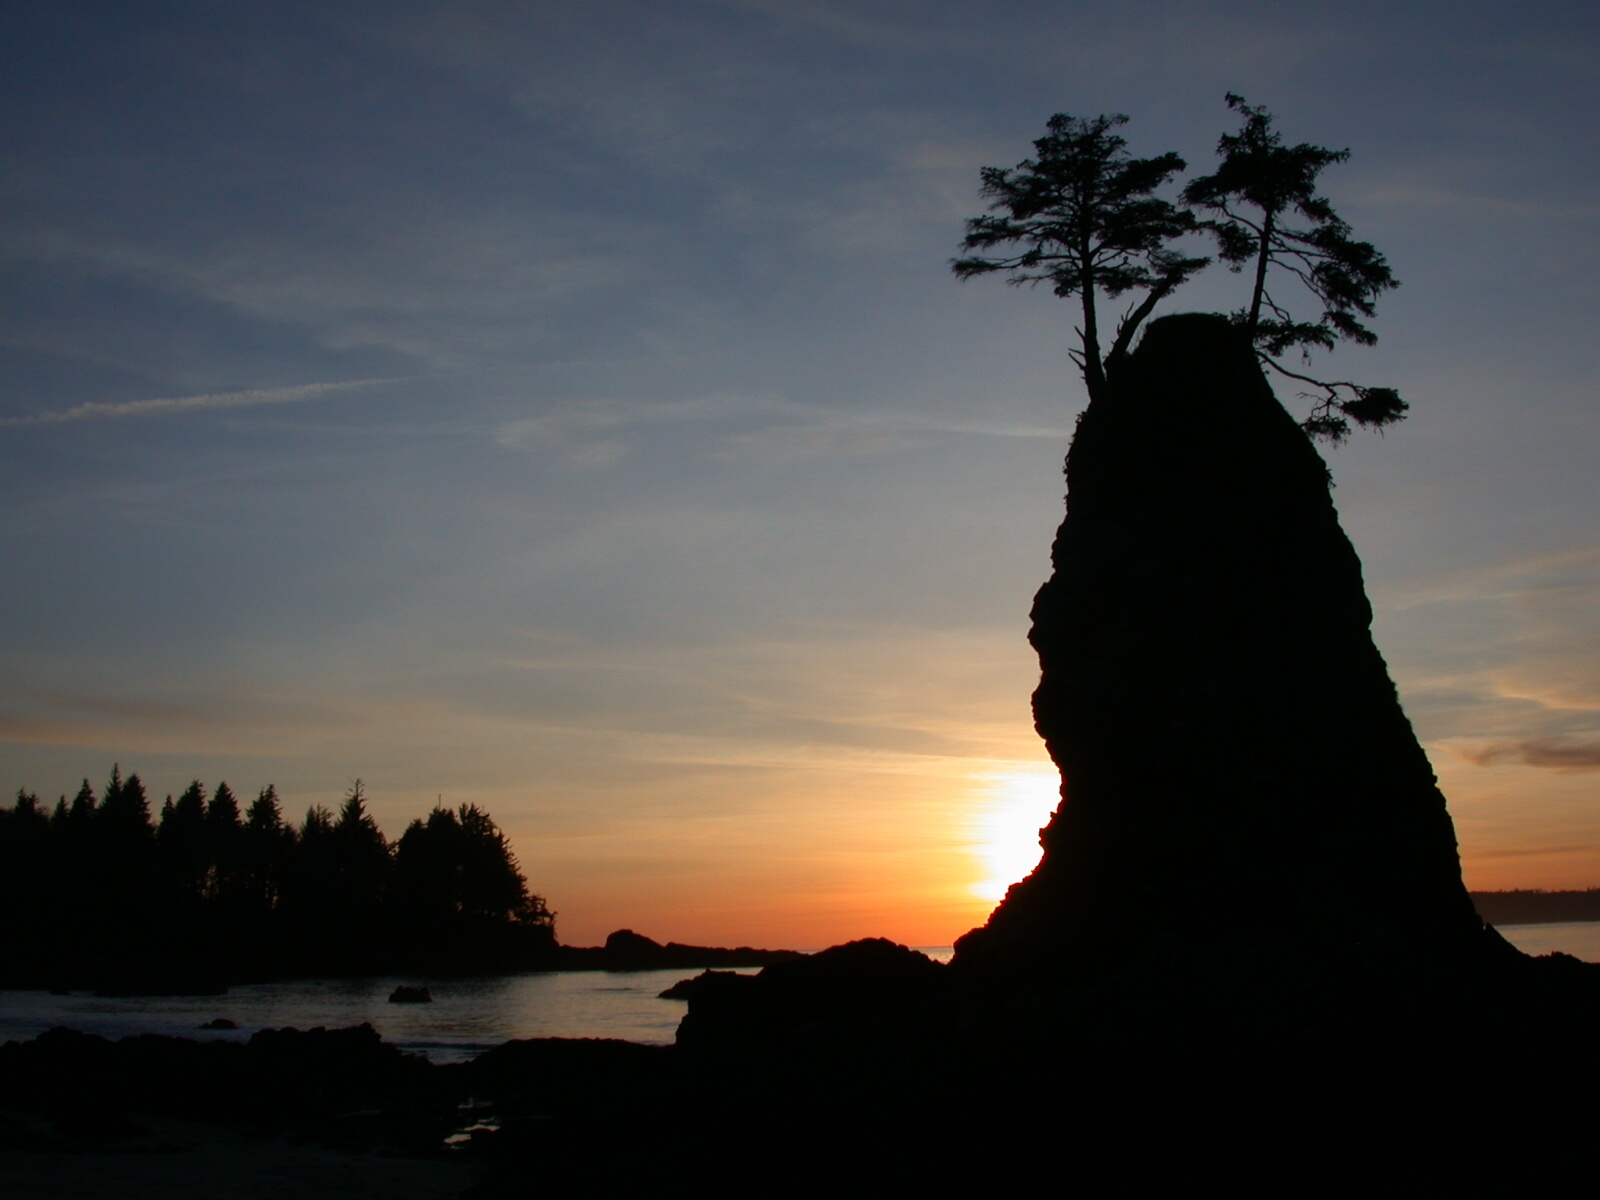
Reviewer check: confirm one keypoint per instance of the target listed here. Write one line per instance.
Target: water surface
(471, 1015)
(466, 1016)
(1581, 939)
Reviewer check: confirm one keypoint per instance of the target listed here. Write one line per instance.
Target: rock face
(1233, 754)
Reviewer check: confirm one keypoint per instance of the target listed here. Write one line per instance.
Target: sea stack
(1235, 762)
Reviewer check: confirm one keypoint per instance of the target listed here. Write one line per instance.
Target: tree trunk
(1263, 256)
(1094, 372)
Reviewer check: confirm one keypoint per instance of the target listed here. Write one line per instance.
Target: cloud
(250, 398)
(1504, 650)
(1508, 579)
(1557, 848)
(438, 279)
(1429, 196)
(742, 424)
(1558, 754)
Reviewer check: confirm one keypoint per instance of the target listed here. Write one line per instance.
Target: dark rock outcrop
(626, 950)
(861, 990)
(1233, 753)
(1252, 872)
(685, 989)
(279, 1075)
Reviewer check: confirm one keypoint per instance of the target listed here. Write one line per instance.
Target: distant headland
(98, 895)
(1535, 906)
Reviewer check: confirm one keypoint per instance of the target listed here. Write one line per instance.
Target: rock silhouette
(1233, 753)
(625, 950)
(1247, 947)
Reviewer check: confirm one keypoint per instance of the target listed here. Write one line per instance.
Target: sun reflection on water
(1006, 827)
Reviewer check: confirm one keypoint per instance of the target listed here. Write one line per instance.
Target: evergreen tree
(315, 922)
(123, 864)
(1267, 215)
(427, 874)
(97, 900)
(81, 815)
(265, 814)
(459, 898)
(114, 786)
(223, 811)
(267, 844)
(224, 832)
(25, 893)
(26, 813)
(317, 825)
(1083, 216)
(181, 842)
(363, 852)
(311, 884)
(125, 812)
(493, 885)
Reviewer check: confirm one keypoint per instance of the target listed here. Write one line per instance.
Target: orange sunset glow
(519, 406)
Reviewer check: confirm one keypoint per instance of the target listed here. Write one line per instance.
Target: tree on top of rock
(1083, 216)
(1267, 215)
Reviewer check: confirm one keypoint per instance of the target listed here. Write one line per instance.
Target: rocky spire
(1233, 754)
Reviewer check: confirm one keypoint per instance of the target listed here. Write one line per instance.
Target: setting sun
(1007, 828)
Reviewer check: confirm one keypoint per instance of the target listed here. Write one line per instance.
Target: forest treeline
(97, 894)
(1535, 906)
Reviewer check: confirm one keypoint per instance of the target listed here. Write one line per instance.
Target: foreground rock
(1233, 753)
(859, 991)
(278, 1076)
(1248, 930)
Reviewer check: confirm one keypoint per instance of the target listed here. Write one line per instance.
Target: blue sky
(569, 409)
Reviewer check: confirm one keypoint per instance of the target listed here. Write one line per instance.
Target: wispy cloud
(250, 398)
(600, 434)
(1510, 578)
(1547, 851)
(1437, 197)
(1558, 754)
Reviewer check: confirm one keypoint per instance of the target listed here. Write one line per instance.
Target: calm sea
(471, 1015)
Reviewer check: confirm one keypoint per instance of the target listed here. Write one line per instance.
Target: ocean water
(1581, 939)
(468, 1016)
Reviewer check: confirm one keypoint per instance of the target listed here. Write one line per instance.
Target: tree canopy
(97, 895)
(1266, 213)
(1084, 216)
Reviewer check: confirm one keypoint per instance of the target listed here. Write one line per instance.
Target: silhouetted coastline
(1535, 906)
(98, 896)
(1246, 955)
(626, 950)
(1249, 923)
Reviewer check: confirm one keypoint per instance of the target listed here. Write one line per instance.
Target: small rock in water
(684, 989)
(405, 994)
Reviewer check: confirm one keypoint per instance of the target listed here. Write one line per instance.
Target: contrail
(170, 404)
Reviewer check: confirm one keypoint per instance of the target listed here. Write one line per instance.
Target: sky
(567, 408)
